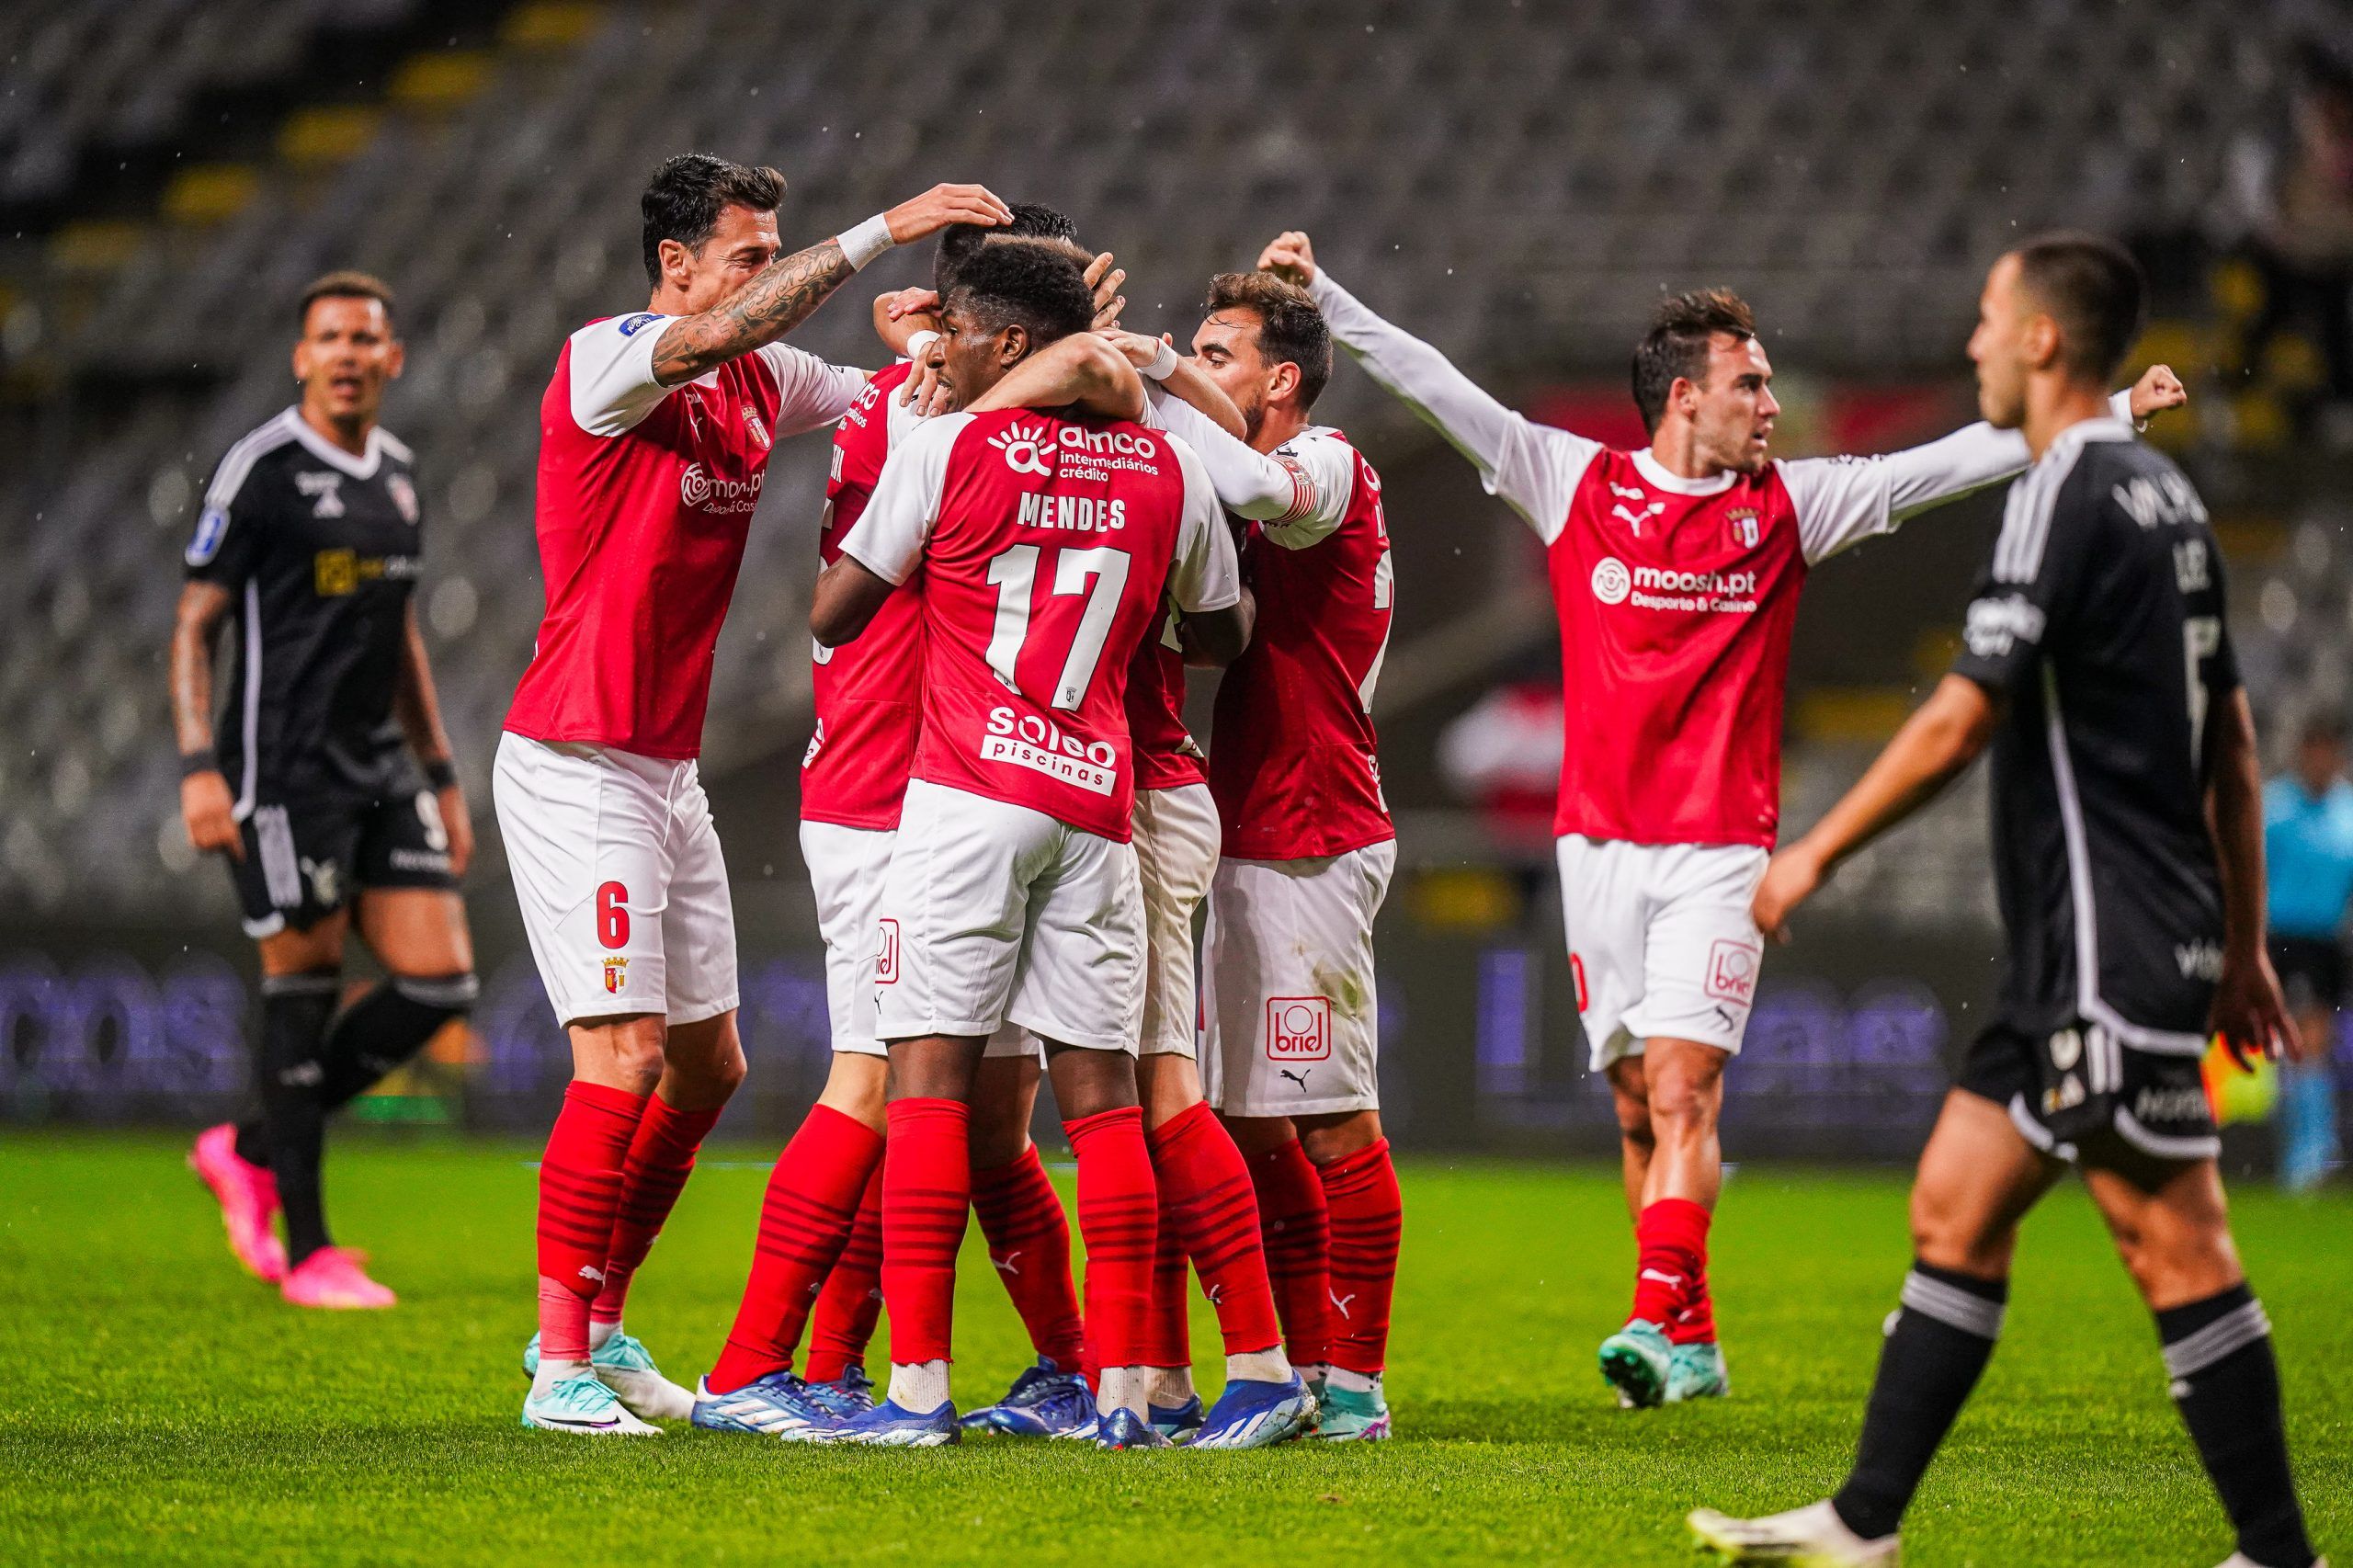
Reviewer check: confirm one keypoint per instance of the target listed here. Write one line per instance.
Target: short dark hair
(1291, 330)
(686, 196)
(1683, 330)
(2093, 289)
(343, 284)
(1031, 220)
(1033, 283)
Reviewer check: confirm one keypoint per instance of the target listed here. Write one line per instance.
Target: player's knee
(1680, 1106)
(1330, 1139)
(2172, 1265)
(1952, 1235)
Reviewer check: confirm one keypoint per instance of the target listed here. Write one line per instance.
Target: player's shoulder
(395, 450)
(254, 458)
(620, 328)
(892, 375)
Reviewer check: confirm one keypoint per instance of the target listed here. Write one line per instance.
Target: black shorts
(2312, 972)
(2082, 1094)
(305, 861)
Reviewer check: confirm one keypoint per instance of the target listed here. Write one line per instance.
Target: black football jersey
(2100, 620)
(319, 552)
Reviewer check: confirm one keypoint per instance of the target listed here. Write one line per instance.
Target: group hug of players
(1035, 520)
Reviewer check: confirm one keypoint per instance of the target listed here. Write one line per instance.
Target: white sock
(1123, 1388)
(553, 1372)
(600, 1332)
(1354, 1382)
(1258, 1366)
(921, 1388)
(1313, 1372)
(1168, 1387)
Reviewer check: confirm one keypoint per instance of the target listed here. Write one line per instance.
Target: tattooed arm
(783, 294)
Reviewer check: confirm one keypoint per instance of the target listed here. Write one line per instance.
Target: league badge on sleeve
(211, 527)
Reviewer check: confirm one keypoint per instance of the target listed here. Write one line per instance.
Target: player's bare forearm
(415, 702)
(201, 607)
(1081, 370)
(1214, 639)
(783, 295)
(1936, 745)
(2235, 808)
(850, 592)
(1189, 383)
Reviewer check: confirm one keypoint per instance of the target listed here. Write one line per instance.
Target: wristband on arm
(1164, 364)
(866, 241)
(441, 773)
(205, 760)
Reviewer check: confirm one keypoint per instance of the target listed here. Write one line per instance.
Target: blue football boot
(1251, 1414)
(1124, 1429)
(1044, 1402)
(777, 1405)
(887, 1425)
(1178, 1423)
(851, 1394)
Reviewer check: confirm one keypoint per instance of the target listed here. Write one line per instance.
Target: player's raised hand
(923, 391)
(1289, 258)
(209, 817)
(943, 205)
(1791, 878)
(2157, 390)
(1105, 279)
(910, 302)
(2251, 1015)
(1141, 351)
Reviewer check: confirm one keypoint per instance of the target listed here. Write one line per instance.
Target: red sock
(1169, 1333)
(926, 1193)
(811, 1201)
(1368, 1216)
(1119, 1217)
(852, 1298)
(1694, 1318)
(580, 1190)
(1297, 1224)
(1029, 1236)
(1205, 1193)
(1671, 1238)
(661, 1156)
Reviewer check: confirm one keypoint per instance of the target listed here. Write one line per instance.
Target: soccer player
(818, 1256)
(2128, 844)
(309, 544)
(1288, 990)
(1047, 546)
(1676, 572)
(655, 434)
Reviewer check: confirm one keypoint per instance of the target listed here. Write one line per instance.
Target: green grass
(155, 1404)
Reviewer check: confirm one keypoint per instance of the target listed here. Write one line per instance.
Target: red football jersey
(1166, 757)
(645, 498)
(1047, 547)
(1675, 612)
(1292, 763)
(869, 692)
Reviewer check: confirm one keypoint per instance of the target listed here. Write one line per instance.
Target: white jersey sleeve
(1205, 573)
(1843, 501)
(1535, 467)
(612, 372)
(889, 536)
(812, 393)
(1300, 491)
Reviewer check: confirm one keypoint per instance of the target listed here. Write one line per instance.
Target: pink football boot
(248, 1197)
(332, 1278)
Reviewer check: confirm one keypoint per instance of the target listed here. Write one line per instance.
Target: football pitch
(157, 1406)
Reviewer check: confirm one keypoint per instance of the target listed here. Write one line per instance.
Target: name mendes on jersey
(1025, 740)
(1662, 587)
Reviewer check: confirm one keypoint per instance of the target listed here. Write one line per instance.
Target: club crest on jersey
(1026, 448)
(1028, 741)
(759, 431)
(615, 974)
(404, 495)
(325, 491)
(1744, 526)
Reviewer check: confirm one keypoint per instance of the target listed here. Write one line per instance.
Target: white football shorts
(1294, 1021)
(994, 912)
(624, 890)
(1661, 941)
(1176, 840)
(847, 866)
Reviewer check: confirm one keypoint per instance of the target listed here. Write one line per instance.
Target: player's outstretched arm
(1535, 467)
(206, 809)
(790, 288)
(1214, 639)
(1081, 370)
(1843, 501)
(1940, 739)
(885, 545)
(2249, 1012)
(849, 596)
(419, 708)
